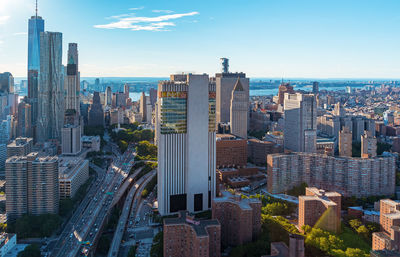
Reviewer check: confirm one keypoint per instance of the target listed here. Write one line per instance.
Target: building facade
(184, 236)
(320, 209)
(73, 172)
(35, 27)
(50, 88)
(186, 136)
(72, 80)
(345, 142)
(300, 133)
(347, 176)
(240, 219)
(96, 113)
(239, 111)
(231, 151)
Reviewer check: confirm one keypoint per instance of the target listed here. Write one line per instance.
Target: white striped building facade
(186, 139)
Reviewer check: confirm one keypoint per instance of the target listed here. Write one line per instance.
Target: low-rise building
(258, 150)
(231, 151)
(184, 236)
(91, 142)
(73, 172)
(295, 249)
(240, 219)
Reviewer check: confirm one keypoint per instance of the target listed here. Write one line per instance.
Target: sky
(263, 38)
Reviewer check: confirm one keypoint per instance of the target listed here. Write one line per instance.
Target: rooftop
(198, 226)
(236, 199)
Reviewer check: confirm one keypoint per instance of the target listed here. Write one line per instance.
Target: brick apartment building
(231, 151)
(184, 236)
(258, 150)
(321, 209)
(348, 176)
(240, 219)
(389, 237)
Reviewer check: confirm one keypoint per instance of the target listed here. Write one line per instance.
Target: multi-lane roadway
(84, 226)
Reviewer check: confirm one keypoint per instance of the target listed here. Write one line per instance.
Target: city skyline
(304, 39)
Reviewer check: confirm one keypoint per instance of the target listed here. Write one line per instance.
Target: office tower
(239, 111)
(339, 110)
(6, 83)
(345, 142)
(315, 87)
(240, 218)
(72, 80)
(143, 107)
(97, 84)
(120, 99)
(126, 90)
(71, 139)
(153, 96)
(108, 100)
(389, 219)
(185, 236)
(96, 113)
(21, 146)
(320, 209)
(368, 145)
(5, 130)
(224, 65)
(43, 189)
(284, 88)
(348, 176)
(36, 26)
(300, 133)
(24, 128)
(225, 83)
(258, 150)
(51, 88)
(185, 128)
(16, 187)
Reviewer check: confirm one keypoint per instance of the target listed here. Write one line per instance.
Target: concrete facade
(186, 138)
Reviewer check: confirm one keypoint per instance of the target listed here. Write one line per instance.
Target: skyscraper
(186, 143)
(143, 107)
(239, 110)
(51, 85)
(225, 83)
(24, 128)
(35, 27)
(96, 113)
(284, 88)
(72, 81)
(300, 133)
(6, 83)
(315, 87)
(108, 100)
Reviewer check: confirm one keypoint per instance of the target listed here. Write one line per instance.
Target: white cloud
(162, 11)
(20, 33)
(136, 8)
(133, 23)
(4, 19)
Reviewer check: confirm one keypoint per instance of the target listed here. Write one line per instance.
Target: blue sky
(264, 38)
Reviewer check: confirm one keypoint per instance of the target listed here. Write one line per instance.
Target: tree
(158, 245)
(363, 231)
(354, 224)
(144, 148)
(30, 251)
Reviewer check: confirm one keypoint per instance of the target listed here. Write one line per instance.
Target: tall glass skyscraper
(36, 26)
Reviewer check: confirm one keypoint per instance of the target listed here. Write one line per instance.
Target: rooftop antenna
(36, 9)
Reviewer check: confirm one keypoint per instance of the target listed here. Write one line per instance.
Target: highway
(132, 199)
(84, 225)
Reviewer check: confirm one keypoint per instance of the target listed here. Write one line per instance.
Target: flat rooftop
(244, 204)
(199, 226)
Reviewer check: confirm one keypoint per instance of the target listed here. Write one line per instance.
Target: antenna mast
(36, 9)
